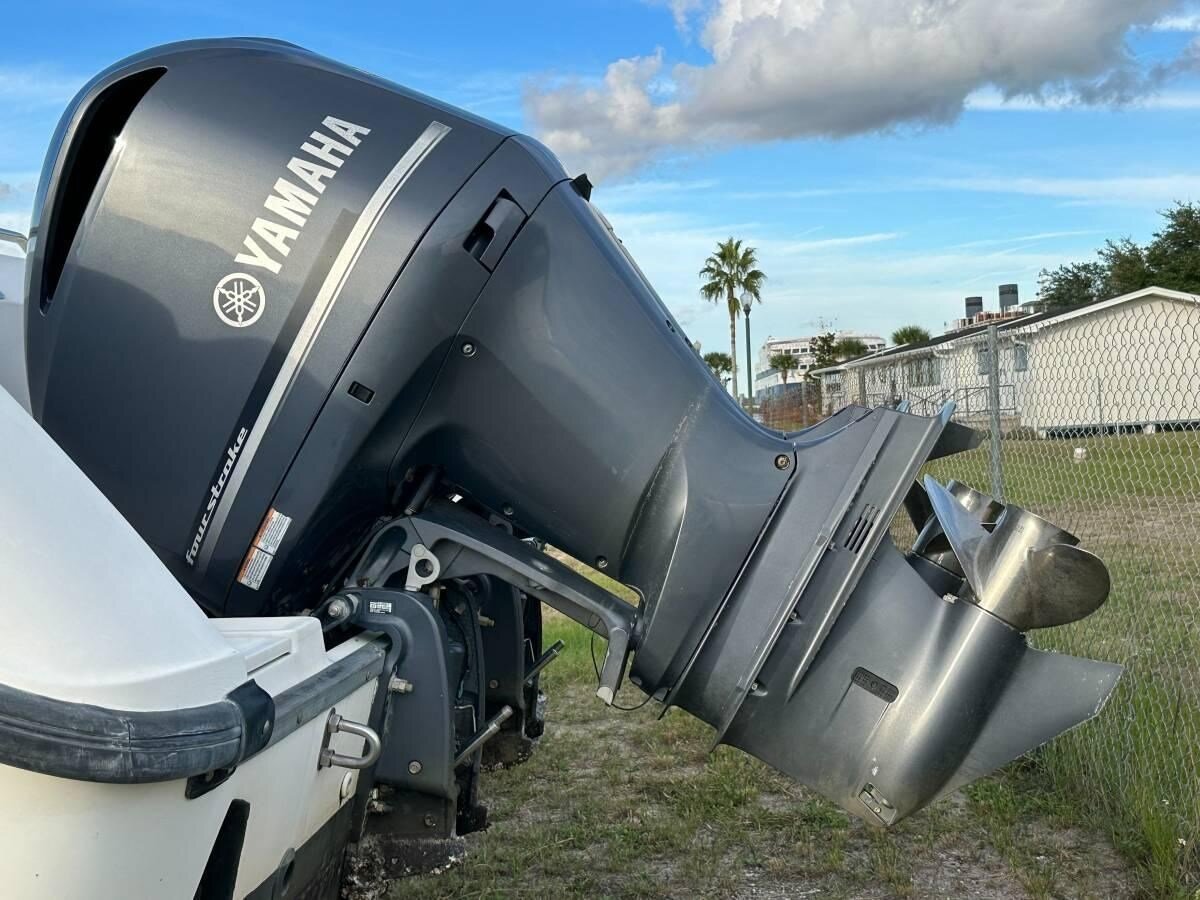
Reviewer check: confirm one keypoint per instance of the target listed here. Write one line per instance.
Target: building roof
(1037, 323)
(829, 370)
(841, 333)
(1024, 325)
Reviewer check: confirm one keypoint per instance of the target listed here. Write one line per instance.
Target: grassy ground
(621, 804)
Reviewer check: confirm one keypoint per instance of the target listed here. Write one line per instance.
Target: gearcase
(367, 402)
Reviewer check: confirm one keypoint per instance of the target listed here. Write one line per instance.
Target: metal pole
(993, 345)
(862, 386)
(749, 362)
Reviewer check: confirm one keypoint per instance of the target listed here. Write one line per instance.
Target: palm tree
(909, 334)
(785, 363)
(849, 348)
(729, 273)
(720, 363)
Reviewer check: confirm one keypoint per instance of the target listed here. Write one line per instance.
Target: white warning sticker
(254, 568)
(262, 551)
(270, 533)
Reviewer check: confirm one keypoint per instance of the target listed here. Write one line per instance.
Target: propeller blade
(963, 529)
(1065, 585)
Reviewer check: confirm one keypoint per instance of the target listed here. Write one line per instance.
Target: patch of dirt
(1159, 522)
(978, 874)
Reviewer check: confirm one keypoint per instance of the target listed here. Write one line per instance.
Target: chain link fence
(1091, 420)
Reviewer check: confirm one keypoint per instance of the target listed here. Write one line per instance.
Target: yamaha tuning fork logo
(238, 299)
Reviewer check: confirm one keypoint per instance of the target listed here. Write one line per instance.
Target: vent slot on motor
(861, 528)
(82, 166)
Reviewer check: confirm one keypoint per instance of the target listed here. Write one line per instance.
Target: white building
(766, 378)
(1121, 364)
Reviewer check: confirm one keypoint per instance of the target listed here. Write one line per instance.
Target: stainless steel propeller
(1023, 569)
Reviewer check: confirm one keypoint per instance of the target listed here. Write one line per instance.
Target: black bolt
(430, 822)
(468, 348)
(601, 562)
(783, 461)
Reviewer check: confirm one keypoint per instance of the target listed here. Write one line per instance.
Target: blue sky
(892, 221)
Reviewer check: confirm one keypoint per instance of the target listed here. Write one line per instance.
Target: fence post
(862, 386)
(993, 345)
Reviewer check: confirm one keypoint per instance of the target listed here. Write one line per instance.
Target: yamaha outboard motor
(333, 346)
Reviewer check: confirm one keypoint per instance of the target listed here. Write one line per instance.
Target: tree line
(1170, 260)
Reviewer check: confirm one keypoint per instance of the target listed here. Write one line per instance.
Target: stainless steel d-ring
(336, 724)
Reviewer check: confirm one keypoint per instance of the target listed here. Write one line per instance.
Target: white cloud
(36, 86)
(635, 190)
(1022, 239)
(825, 244)
(1183, 22)
(14, 220)
(682, 11)
(832, 68)
(1136, 190)
(798, 193)
(1172, 100)
(991, 100)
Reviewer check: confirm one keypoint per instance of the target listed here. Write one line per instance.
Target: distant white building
(1122, 364)
(766, 378)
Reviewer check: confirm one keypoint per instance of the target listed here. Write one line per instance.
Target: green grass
(1118, 467)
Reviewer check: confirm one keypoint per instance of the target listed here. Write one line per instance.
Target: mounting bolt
(414, 767)
(507, 509)
(430, 821)
(783, 462)
(468, 348)
(338, 609)
(493, 684)
(400, 686)
(601, 562)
